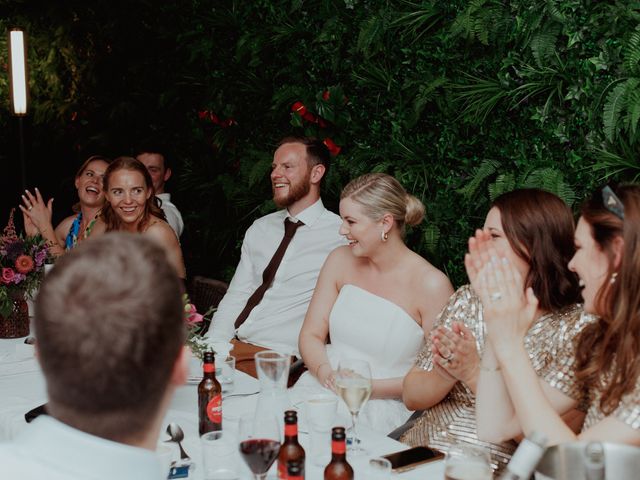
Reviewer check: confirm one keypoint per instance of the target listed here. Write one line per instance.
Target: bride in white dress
(375, 299)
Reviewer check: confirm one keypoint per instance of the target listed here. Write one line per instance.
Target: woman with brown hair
(606, 363)
(86, 219)
(534, 229)
(131, 206)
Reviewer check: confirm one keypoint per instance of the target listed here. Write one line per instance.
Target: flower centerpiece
(22, 264)
(196, 326)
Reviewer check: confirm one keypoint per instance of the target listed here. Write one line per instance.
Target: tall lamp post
(19, 90)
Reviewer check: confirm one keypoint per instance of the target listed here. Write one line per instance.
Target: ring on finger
(448, 357)
(495, 296)
(30, 207)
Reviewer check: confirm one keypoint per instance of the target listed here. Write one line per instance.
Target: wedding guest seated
(534, 230)
(156, 161)
(109, 318)
(84, 222)
(282, 254)
(605, 359)
(375, 298)
(131, 206)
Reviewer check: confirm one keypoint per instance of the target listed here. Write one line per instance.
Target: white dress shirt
(276, 321)
(174, 218)
(49, 449)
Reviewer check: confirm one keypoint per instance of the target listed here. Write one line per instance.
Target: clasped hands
(455, 355)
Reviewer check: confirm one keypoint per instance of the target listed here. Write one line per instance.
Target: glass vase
(16, 324)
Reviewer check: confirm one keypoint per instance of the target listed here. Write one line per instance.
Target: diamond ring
(495, 296)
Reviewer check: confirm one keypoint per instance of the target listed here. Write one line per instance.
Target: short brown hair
(539, 227)
(317, 151)
(109, 321)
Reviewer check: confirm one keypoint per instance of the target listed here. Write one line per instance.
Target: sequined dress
(453, 420)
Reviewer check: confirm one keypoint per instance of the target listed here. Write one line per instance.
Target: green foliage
(460, 100)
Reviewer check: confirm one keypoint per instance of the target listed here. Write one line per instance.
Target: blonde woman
(375, 298)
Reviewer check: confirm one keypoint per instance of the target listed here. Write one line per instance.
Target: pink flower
(7, 275)
(192, 315)
(24, 264)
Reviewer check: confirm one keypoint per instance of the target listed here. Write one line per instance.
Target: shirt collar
(164, 196)
(310, 214)
(67, 449)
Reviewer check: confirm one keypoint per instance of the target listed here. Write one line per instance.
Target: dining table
(22, 387)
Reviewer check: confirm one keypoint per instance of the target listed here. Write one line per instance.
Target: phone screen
(412, 457)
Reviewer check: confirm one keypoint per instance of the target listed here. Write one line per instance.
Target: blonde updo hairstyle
(379, 194)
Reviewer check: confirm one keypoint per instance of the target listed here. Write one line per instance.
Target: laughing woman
(131, 206)
(75, 228)
(607, 351)
(375, 297)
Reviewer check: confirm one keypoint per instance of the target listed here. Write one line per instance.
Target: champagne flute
(353, 385)
(259, 443)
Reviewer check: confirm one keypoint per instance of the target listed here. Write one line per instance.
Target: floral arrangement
(22, 261)
(195, 325)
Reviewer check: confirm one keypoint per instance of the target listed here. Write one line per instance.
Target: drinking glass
(219, 456)
(319, 415)
(353, 385)
(379, 469)
(467, 462)
(259, 443)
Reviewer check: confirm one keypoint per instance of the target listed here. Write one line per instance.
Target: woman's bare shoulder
(428, 276)
(161, 230)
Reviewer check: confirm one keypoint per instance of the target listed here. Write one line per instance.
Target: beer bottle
(290, 450)
(338, 468)
(295, 471)
(209, 398)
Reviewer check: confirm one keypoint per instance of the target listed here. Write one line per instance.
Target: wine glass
(259, 443)
(353, 385)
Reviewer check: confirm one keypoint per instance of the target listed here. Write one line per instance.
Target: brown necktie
(270, 272)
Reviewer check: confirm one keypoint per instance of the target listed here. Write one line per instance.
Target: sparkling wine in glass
(353, 385)
(259, 443)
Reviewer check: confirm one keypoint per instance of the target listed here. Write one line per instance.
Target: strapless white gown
(367, 327)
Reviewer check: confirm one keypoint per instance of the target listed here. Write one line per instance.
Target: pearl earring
(612, 280)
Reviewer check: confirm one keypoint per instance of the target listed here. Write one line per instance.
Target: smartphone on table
(411, 458)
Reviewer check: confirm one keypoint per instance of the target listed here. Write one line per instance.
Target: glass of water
(225, 373)
(467, 462)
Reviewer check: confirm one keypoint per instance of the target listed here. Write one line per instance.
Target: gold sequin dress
(453, 420)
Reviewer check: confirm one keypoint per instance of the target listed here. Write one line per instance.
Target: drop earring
(613, 278)
(384, 236)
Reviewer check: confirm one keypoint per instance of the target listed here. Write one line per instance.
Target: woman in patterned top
(607, 351)
(534, 229)
(77, 227)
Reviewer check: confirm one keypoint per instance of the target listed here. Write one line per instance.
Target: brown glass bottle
(338, 468)
(295, 471)
(209, 398)
(290, 450)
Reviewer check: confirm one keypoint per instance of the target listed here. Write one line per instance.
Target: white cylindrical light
(18, 65)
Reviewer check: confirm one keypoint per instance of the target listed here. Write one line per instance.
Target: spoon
(177, 435)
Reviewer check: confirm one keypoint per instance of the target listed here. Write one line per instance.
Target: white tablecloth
(22, 387)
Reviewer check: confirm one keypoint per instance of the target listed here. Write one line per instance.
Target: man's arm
(242, 285)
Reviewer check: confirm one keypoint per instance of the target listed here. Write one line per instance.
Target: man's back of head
(109, 321)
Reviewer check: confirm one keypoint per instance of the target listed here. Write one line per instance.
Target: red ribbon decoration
(301, 110)
(333, 148)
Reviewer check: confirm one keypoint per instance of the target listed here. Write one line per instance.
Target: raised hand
(456, 353)
(508, 309)
(37, 212)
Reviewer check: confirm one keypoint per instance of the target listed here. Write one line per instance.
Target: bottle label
(290, 430)
(338, 447)
(214, 409)
(209, 368)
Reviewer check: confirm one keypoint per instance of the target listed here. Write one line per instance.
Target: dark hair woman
(131, 206)
(534, 230)
(606, 354)
(75, 228)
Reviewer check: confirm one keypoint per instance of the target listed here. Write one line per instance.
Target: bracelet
(484, 368)
(319, 367)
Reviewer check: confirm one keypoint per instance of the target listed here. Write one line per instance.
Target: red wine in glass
(259, 443)
(259, 454)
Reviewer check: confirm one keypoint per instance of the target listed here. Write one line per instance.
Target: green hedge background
(460, 100)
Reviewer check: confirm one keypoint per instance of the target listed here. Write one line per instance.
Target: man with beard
(281, 257)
